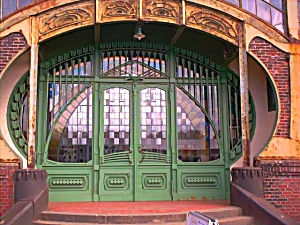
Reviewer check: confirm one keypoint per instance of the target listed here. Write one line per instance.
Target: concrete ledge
(20, 213)
(249, 178)
(262, 211)
(31, 197)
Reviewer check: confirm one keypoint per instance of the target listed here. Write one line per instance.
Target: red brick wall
(7, 185)
(278, 64)
(10, 46)
(282, 185)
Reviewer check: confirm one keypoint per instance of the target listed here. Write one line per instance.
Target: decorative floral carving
(211, 21)
(161, 8)
(65, 17)
(119, 8)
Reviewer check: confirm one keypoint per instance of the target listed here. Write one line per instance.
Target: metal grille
(133, 59)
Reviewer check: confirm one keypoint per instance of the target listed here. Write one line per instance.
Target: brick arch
(10, 46)
(276, 61)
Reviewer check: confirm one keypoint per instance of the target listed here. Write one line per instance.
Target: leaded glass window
(197, 141)
(116, 120)
(153, 120)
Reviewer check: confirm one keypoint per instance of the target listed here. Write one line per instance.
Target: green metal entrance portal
(136, 161)
(134, 122)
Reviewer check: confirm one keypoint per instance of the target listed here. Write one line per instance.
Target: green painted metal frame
(15, 114)
(84, 181)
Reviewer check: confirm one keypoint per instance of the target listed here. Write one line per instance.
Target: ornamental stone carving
(110, 10)
(211, 21)
(166, 10)
(119, 8)
(63, 18)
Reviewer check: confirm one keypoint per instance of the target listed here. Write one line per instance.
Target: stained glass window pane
(116, 120)
(76, 143)
(196, 139)
(153, 120)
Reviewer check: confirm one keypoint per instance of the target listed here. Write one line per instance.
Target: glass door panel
(153, 120)
(135, 163)
(116, 120)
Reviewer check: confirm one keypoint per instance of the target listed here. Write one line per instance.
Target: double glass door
(135, 159)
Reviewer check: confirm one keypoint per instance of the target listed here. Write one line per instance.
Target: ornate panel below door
(152, 181)
(116, 182)
(70, 183)
(199, 182)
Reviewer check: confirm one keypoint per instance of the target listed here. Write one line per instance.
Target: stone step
(230, 211)
(114, 219)
(226, 216)
(44, 222)
(237, 220)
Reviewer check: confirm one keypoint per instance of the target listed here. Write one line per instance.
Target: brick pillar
(7, 185)
(282, 185)
(9, 47)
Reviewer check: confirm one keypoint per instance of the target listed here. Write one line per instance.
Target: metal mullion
(176, 66)
(108, 60)
(160, 63)
(114, 61)
(53, 94)
(120, 57)
(84, 69)
(195, 79)
(60, 86)
(207, 89)
(236, 114)
(274, 6)
(66, 83)
(143, 62)
(230, 114)
(219, 100)
(213, 92)
(101, 66)
(131, 59)
(126, 60)
(154, 59)
(183, 70)
(189, 76)
(201, 84)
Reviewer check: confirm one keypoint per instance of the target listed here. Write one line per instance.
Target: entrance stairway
(226, 215)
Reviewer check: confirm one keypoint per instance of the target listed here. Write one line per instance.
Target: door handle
(143, 154)
(128, 155)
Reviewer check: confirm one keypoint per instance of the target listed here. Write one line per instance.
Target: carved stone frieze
(211, 21)
(165, 10)
(63, 18)
(110, 10)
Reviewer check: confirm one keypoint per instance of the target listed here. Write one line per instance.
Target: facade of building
(139, 100)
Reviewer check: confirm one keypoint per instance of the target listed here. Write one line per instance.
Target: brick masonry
(9, 47)
(278, 65)
(7, 185)
(282, 185)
